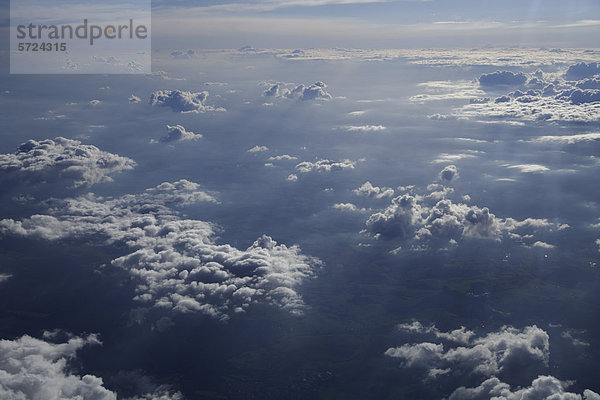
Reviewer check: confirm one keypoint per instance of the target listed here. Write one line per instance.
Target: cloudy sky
(308, 199)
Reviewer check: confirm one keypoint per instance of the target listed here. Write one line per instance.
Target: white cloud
(543, 245)
(448, 90)
(257, 149)
(33, 368)
(542, 387)
(315, 91)
(325, 165)
(529, 168)
(460, 335)
(347, 207)
(487, 355)
(365, 128)
(65, 159)
(175, 262)
(543, 98)
(410, 219)
(182, 101)
(567, 139)
(285, 157)
(449, 158)
(398, 220)
(177, 133)
(368, 190)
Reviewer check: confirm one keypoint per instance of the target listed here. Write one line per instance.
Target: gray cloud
(580, 96)
(175, 262)
(582, 70)
(182, 101)
(502, 78)
(449, 173)
(64, 159)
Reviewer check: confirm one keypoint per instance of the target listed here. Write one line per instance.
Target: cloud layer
(175, 261)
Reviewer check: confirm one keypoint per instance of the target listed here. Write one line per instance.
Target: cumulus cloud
(368, 190)
(347, 207)
(462, 352)
(282, 157)
(33, 368)
(176, 263)
(257, 149)
(315, 91)
(502, 78)
(449, 173)
(64, 159)
(398, 220)
(461, 335)
(182, 101)
(177, 133)
(508, 348)
(325, 165)
(365, 128)
(410, 218)
(543, 98)
(543, 388)
(582, 70)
